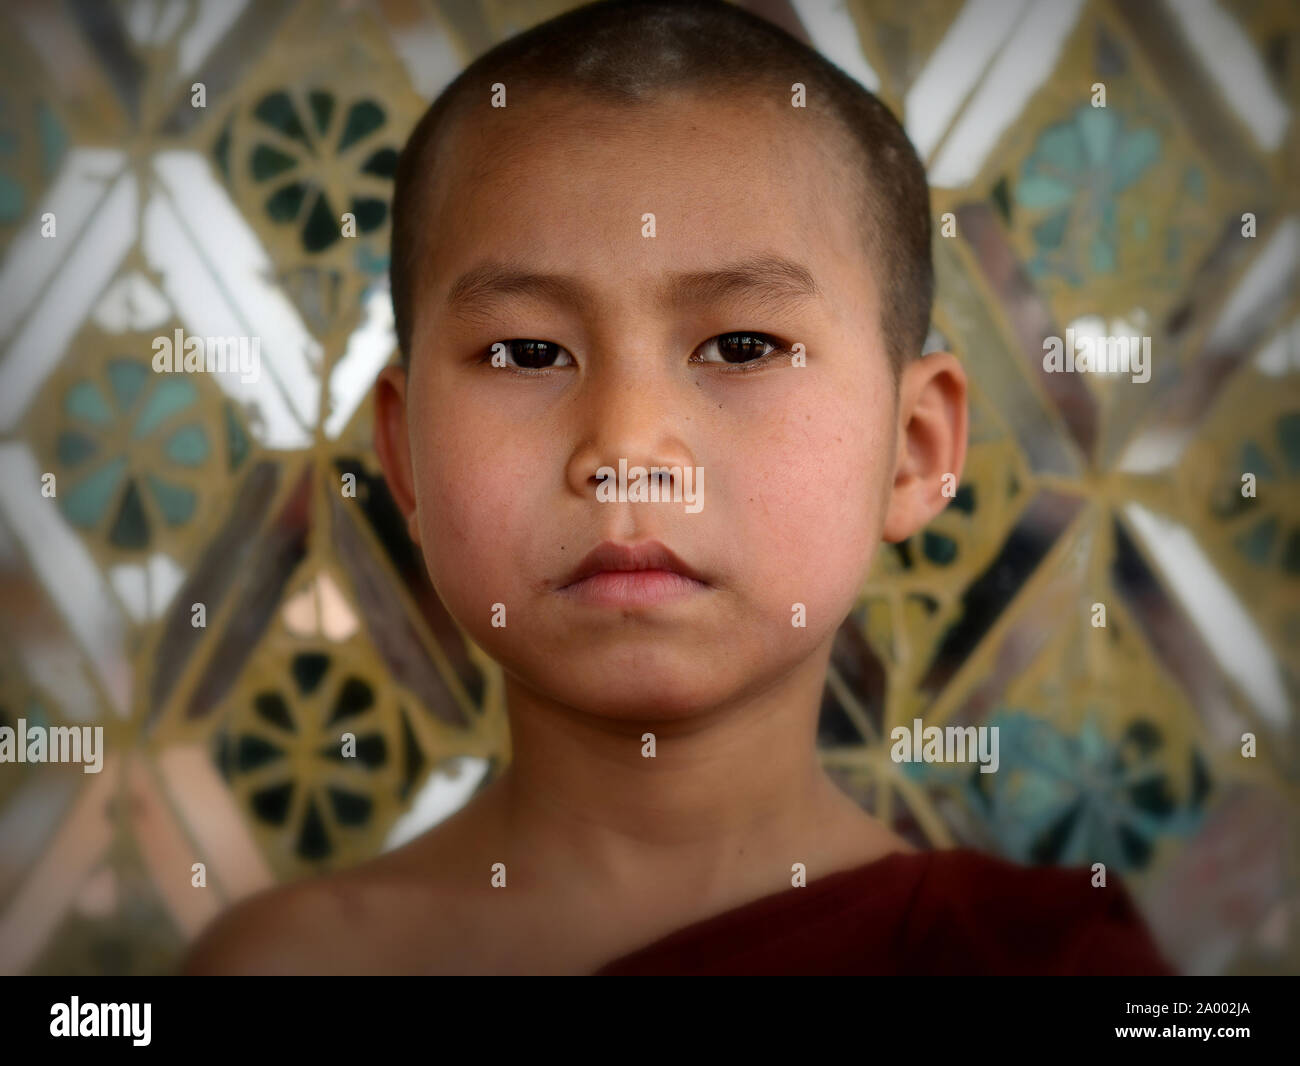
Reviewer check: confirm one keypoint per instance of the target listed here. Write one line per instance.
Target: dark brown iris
(741, 347)
(534, 354)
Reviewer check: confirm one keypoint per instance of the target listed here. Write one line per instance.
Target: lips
(610, 557)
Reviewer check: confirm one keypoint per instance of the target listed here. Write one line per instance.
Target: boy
(662, 279)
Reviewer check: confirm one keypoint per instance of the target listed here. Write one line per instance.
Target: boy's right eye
(528, 354)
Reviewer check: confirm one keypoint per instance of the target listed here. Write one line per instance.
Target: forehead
(566, 181)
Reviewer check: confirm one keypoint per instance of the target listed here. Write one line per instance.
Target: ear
(393, 443)
(931, 441)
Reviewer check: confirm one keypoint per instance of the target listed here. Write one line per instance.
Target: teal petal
(1098, 130)
(267, 162)
(11, 199)
(85, 401)
(75, 448)
(1060, 150)
(130, 527)
(54, 138)
(236, 439)
(176, 502)
(1102, 255)
(127, 378)
(277, 110)
(1288, 437)
(938, 548)
(37, 714)
(221, 152)
(1076, 847)
(322, 109)
(370, 213)
(1254, 461)
(284, 204)
(85, 505)
(187, 446)
(171, 395)
(1001, 195)
(382, 164)
(1040, 804)
(1137, 151)
(1291, 553)
(1041, 191)
(1049, 233)
(1092, 743)
(364, 118)
(1256, 544)
(321, 228)
(369, 262)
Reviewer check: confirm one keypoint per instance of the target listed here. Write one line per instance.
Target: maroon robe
(935, 912)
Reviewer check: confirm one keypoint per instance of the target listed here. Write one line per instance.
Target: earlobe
(932, 422)
(392, 443)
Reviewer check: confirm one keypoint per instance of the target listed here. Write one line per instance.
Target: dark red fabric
(937, 912)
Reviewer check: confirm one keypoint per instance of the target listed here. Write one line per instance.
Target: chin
(661, 694)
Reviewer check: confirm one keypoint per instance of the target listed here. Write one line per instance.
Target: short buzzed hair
(627, 52)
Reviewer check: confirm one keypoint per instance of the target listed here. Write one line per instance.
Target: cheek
(472, 504)
(812, 500)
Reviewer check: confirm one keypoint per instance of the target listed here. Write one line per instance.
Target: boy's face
(500, 481)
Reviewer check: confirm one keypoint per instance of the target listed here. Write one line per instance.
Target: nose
(634, 411)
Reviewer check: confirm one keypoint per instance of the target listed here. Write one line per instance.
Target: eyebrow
(773, 282)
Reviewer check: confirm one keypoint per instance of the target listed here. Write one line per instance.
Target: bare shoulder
(398, 913)
(420, 908)
(277, 931)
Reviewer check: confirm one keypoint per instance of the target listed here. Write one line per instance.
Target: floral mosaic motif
(134, 445)
(1072, 183)
(291, 741)
(1269, 538)
(1072, 800)
(306, 150)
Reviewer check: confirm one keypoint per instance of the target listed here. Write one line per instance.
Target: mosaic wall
(1172, 212)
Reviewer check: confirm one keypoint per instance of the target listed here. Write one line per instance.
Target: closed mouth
(611, 557)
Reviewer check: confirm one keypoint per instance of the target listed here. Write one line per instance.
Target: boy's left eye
(742, 347)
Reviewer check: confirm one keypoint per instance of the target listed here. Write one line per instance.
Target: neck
(732, 798)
